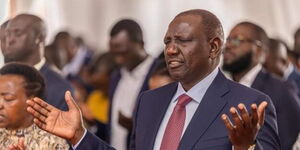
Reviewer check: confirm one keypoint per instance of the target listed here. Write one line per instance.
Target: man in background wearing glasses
(244, 53)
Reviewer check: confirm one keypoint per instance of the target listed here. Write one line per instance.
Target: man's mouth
(175, 63)
(2, 117)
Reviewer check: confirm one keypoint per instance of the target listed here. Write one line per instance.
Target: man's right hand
(65, 124)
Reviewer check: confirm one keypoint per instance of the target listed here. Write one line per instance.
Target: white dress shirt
(124, 100)
(288, 71)
(196, 93)
(40, 64)
(74, 66)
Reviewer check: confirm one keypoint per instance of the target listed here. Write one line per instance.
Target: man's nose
(228, 46)
(172, 50)
(1, 103)
(9, 40)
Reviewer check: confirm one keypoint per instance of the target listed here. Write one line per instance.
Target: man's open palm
(66, 124)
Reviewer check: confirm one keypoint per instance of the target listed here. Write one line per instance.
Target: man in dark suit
(24, 42)
(244, 53)
(278, 63)
(186, 114)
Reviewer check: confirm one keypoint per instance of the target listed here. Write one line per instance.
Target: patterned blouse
(34, 139)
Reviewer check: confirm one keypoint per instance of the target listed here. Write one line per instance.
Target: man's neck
(138, 61)
(32, 60)
(188, 84)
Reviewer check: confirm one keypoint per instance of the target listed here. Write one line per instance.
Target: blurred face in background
(157, 81)
(277, 60)
(67, 49)
(242, 50)
(13, 114)
(21, 41)
(125, 51)
(2, 38)
(100, 77)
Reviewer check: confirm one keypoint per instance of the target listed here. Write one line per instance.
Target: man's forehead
(182, 24)
(19, 23)
(241, 30)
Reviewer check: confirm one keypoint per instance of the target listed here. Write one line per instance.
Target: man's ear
(261, 53)
(215, 47)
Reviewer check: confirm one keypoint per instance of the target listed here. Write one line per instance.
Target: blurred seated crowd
(106, 85)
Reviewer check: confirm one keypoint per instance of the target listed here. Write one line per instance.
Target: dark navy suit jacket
(294, 78)
(285, 100)
(206, 131)
(56, 86)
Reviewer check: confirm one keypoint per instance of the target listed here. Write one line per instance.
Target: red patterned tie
(175, 125)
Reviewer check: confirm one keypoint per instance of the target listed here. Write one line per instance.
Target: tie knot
(183, 100)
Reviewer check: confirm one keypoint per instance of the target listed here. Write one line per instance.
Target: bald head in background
(25, 39)
(25, 43)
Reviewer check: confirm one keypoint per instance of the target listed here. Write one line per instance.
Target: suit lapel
(161, 100)
(259, 81)
(208, 110)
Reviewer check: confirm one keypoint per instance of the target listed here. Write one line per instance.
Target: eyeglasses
(238, 41)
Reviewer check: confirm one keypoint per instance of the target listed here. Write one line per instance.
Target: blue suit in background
(287, 106)
(56, 86)
(206, 131)
(294, 78)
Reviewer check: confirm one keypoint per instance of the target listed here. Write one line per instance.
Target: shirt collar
(250, 76)
(40, 64)
(198, 90)
(288, 71)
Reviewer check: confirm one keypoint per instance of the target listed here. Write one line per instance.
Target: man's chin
(176, 76)
(8, 58)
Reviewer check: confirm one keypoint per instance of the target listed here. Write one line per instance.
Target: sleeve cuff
(76, 145)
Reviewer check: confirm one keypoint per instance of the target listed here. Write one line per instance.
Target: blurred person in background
(78, 57)
(127, 47)
(278, 63)
(160, 75)
(297, 40)
(96, 107)
(52, 57)
(20, 82)
(244, 54)
(61, 50)
(2, 40)
(294, 54)
(25, 42)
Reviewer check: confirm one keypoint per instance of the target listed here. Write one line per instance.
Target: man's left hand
(243, 132)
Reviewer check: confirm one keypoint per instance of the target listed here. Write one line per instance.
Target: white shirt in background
(124, 100)
(250, 76)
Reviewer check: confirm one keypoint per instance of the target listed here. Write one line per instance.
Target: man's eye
(18, 33)
(184, 40)
(9, 97)
(166, 42)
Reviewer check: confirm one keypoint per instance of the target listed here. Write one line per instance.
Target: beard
(240, 64)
